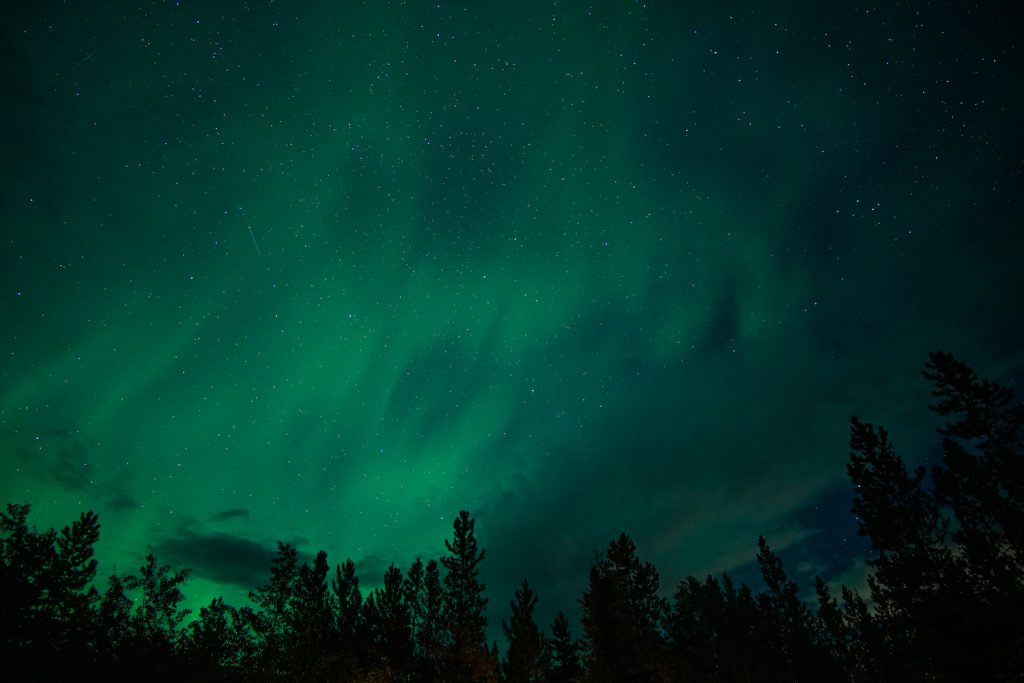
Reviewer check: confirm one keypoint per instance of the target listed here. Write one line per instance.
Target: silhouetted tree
(412, 597)
(564, 653)
(310, 618)
(219, 645)
(272, 623)
(716, 632)
(981, 481)
(948, 565)
(295, 625)
(836, 634)
(386, 617)
(113, 623)
(464, 604)
(915, 584)
(622, 617)
(157, 616)
(981, 477)
(46, 599)
(350, 644)
(140, 638)
(796, 646)
(527, 659)
(432, 636)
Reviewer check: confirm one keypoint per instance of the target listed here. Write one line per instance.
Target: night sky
(329, 272)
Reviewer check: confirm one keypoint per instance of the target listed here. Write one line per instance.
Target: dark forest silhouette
(945, 595)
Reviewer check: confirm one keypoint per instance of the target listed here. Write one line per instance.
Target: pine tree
(564, 653)
(350, 642)
(273, 622)
(715, 631)
(412, 597)
(310, 620)
(789, 628)
(432, 636)
(981, 478)
(915, 584)
(622, 617)
(345, 586)
(836, 635)
(275, 597)
(526, 660)
(386, 617)
(311, 606)
(950, 549)
(464, 605)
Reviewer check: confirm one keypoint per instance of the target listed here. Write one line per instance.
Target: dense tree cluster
(945, 595)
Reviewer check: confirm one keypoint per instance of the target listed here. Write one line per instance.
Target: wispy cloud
(219, 556)
(232, 513)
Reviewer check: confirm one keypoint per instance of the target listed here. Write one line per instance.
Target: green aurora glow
(329, 273)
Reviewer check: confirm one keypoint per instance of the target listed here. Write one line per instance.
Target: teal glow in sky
(330, 272)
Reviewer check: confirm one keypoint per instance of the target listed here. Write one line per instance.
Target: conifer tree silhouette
(464, 603)
(527, 659)
(387, 623)
(564, 652)
(622, 617)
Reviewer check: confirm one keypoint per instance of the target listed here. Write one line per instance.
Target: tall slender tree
(432, 637)
(272, 622)
(350, 644)
(464, 604)
(386, 617)
(310, 618)
(412, 597)
(915, 582)
(564, 653)
(795, 644)
(526, 659)
(981, 477)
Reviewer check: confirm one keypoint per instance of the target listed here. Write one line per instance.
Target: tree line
(944, 598)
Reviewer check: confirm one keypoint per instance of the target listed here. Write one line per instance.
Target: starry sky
(329, 272)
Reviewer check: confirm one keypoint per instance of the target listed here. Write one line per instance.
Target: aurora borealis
(330, 272)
